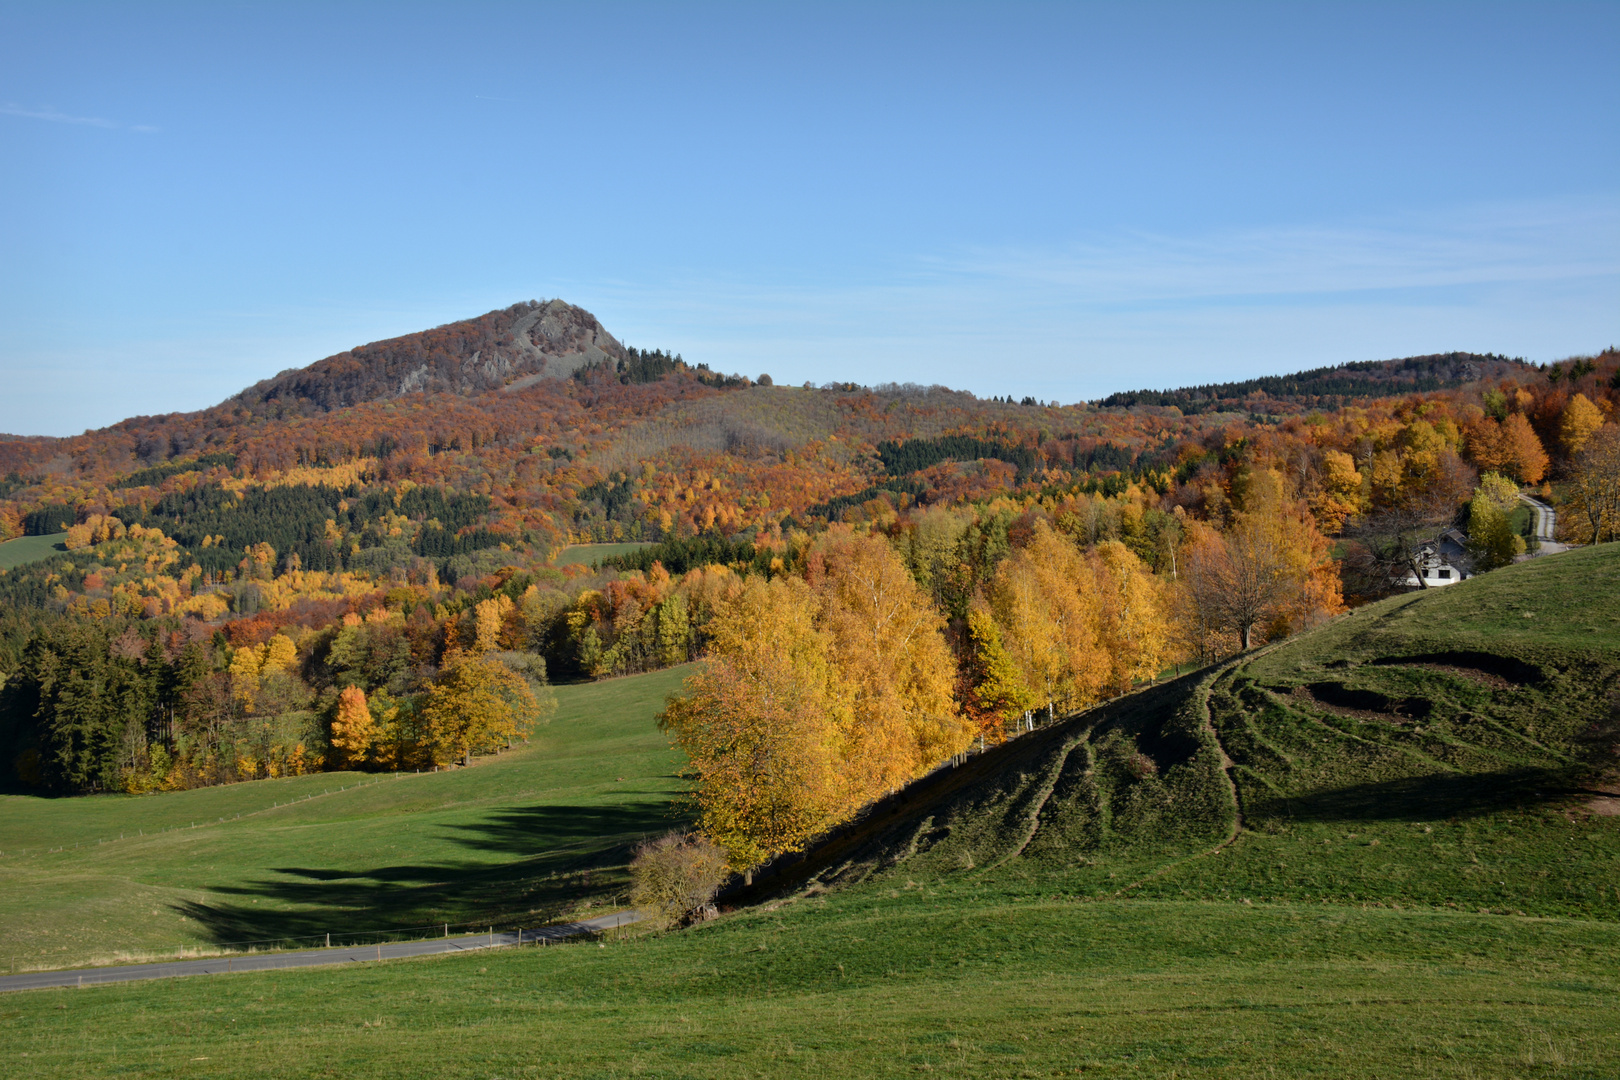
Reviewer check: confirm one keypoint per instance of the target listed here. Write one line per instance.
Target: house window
(1444, 574)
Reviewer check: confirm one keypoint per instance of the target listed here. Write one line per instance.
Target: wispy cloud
(1540, 280)
(56, 116)
(1472, 246)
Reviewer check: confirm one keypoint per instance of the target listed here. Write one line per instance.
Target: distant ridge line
(1331, 386)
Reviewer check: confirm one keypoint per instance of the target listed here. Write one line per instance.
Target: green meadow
(980, 980)
(532, 835)
(27, 549)
(588, 554)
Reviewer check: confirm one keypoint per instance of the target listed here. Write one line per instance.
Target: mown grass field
(533, 834)
(985, 981)
(591, 553)
(1377, 850)
(27, 549)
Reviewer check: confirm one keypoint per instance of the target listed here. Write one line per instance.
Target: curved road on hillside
(1546, 517)
(221, 965)
(1546, 526)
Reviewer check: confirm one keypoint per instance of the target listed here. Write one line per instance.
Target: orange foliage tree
(353, 730)
(1522, 456)
(1270, 572)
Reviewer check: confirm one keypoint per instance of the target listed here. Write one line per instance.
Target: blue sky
(1051, 199)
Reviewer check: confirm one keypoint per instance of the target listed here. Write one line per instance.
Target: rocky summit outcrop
(507, 349)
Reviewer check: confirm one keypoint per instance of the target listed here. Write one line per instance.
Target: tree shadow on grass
(1427, 798)
(558, 858)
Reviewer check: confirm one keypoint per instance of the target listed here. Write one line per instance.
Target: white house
(1442, 561)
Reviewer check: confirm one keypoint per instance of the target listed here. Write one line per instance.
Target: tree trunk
(1248, 629)
(1417, 572)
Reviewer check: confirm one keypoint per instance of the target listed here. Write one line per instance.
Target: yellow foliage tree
(1387, 478)
(395, 745)
(259, 562)
(1579, 420)
(476, 704)
(1595, 488)
(489, 621)
(280, 654)
(888, 645)
(1490, 537)
(245, 670)
(1134, 625)
(765, 725)
(1050, 623)
(1340, 495)
(1000, 685)
(1502, 492)
(353, 729)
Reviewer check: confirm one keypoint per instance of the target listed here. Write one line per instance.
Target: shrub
(675, 877)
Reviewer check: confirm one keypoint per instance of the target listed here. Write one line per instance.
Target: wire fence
(352, 938)
(499, 932)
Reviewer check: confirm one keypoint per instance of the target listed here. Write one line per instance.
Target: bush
(674, 878)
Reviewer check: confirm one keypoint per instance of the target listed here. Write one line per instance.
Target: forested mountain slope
(1459, 747)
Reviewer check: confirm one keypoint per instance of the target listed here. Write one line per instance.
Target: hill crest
(511, 348)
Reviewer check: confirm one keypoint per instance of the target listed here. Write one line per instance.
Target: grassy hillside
(533, 834)
(1449, 748)
(27, 549)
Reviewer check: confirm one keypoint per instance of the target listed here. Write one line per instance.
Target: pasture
(27, 549)
(590, 554)
(532, 835)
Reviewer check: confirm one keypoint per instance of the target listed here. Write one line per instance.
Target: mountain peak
(517, 346)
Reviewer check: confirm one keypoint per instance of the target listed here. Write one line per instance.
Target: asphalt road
(222, 965)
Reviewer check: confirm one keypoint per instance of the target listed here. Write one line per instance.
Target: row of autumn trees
(829, 687)
(169, 704)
